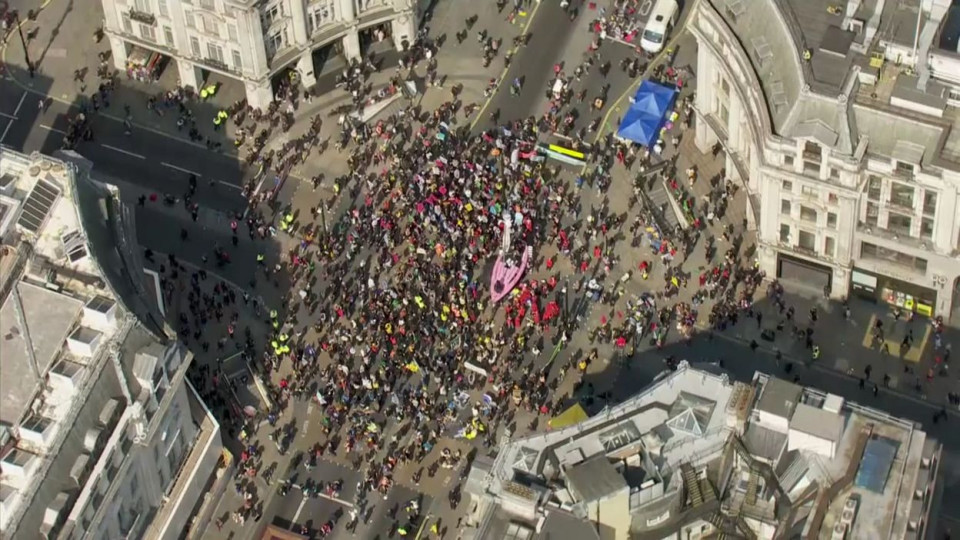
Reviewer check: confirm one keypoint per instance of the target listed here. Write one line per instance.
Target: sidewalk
(60, 26)
(847, 345)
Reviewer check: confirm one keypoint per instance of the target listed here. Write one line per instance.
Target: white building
(850, 159)
(251, 41)
(696, 456)
(100, 434)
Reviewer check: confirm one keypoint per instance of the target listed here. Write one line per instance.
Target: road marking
(122, 151)
(17, 110)
(53, 129)
(503, 74)
(296, 516)
(181, 169)
(5, 115)
(5, 130)
(336, 500)
(228, 184)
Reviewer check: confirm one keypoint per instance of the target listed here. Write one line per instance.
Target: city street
(356, 347)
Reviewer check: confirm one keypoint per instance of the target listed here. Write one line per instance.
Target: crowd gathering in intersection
(389, 325)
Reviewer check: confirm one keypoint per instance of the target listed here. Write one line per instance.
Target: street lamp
(26, 52)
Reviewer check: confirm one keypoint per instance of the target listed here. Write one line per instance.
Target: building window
(127, 25)
(832, 198)
(272, 14)
(321, 15)
(785, 233)
(785, 207)
(929, 203)
(834, 174)
(926, 228)
(831, 220)
(162, 5)
(874, 185)
(146, 32)
(195, 46)
(214, 52)
(872, 215)
(808, 191)
(812, 151)
(788, 161)
(237, 61)
(829, 246)
(899, 223)
(882, 254)
(168, 36)
(808, 214)
(142, 6)
(210, 25)
(189, 17)
(208, 4)
(723, 113)
(275, 42)
(901, 195)
(807, 241)
(904, 168)
(787, 186)
(232, 32)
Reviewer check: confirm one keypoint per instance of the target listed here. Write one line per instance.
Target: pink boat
(504, 278)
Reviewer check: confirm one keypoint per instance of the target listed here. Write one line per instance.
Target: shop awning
(569, 417)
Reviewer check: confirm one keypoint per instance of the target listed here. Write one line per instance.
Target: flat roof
(595, 479)
(49, 316)
(779, 398)
(817, 422)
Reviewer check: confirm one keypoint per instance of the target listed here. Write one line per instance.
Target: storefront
(895, 292)
(145, 65)
(804, 273)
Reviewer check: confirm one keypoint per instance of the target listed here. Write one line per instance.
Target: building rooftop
(61, 311)
(863, 71)
(678, 477)
(818, 422)
(595, 479)
(779, 398)
(49, 317)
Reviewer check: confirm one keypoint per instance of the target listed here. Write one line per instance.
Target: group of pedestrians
(389, 325)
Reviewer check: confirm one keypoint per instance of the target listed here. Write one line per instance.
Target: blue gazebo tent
(647, 114)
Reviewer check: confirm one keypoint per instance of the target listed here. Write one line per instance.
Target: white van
(661, 21)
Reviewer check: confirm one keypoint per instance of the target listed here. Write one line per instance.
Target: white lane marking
(23, 97)
(296, 516)
(229, 185)
(181, 169)
(6, 130)
(5, 115)
(122, 151)
(53, 129)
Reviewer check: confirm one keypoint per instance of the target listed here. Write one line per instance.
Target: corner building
(839, 121)
(251, 41)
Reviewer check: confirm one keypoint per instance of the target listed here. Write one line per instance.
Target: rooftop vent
(761, 49)
(735, 9)
(74, 246)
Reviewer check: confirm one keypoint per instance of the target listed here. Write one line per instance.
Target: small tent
(647, 114)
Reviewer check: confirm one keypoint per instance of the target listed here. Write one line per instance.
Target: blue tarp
(647, 114)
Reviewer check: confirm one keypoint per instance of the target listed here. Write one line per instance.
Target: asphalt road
(294, 510)
(161, 163)
(550, 32)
